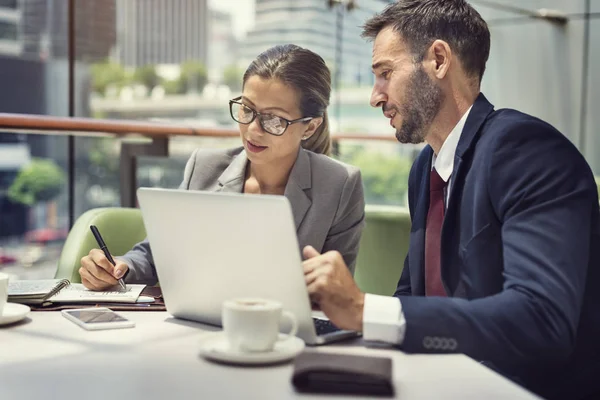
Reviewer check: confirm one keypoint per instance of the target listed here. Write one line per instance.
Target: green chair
(121, 229)
(383, 247)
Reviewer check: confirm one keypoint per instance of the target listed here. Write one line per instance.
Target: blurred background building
(313, 24)
(34, 80)
(36, 29)
(162, 32)
(224, 47)
(10, 20)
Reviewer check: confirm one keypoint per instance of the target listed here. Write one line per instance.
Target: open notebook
(48, 291)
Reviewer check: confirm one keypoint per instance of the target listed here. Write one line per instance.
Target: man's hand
(97, 273)
(330, 285)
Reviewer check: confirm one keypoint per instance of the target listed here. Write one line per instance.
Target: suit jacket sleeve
(349, 220)
(139, 258)
(543, 193)
(403, 288)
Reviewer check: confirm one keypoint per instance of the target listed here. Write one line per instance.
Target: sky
(242, 12)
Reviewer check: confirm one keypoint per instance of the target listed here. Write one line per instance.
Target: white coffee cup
(3, 290)
(252, 324)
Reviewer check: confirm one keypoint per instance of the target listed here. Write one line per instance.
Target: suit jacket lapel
(299, 181)
(232, 179)
(477, 117)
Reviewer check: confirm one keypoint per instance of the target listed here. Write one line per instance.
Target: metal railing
(158, 135)
(27, 123)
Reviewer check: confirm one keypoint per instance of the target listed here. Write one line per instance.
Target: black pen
(103, 247)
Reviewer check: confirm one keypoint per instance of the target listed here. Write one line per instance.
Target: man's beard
(422, 103)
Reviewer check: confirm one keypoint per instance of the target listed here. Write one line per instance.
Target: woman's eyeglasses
(270, 123)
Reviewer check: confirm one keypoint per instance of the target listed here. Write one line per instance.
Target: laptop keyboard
(324, 326)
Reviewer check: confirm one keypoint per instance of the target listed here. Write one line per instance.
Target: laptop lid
(209, 247)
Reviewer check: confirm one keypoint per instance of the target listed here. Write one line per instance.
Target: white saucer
(13, 312)
(214, 346)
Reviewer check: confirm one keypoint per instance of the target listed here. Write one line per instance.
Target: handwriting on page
(89, 293)
(86, 293)
(31, 286)
(77, 292)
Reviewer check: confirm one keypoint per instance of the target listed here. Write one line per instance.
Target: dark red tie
(433, 232)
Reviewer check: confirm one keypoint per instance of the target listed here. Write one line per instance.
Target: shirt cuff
(383, 319)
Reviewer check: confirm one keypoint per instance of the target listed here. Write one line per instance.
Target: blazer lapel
(299, 181)
(477, 117)
(232, 179)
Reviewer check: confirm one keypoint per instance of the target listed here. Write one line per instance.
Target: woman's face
(271, 96)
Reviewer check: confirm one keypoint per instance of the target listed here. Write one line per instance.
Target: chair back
(121, 229)
(383, 248)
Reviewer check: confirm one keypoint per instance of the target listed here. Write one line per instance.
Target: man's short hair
(420, 22)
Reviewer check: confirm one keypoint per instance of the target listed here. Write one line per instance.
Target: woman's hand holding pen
(97, 273)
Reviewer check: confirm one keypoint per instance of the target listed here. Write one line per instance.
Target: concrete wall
(539, 67)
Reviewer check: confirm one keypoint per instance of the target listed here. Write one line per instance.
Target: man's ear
(438, 59)
(312, 127)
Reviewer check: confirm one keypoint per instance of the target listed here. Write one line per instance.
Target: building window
(8, 3)
(8, 31)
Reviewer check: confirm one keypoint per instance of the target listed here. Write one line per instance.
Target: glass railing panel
(96, 173)
(33, 168)
(384, 166)
(168, 172)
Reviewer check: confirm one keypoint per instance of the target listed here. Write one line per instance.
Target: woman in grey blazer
(282, 117)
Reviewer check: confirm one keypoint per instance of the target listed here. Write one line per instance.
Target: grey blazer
(326, 197)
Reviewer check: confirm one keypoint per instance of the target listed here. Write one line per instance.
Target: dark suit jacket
(519, 259)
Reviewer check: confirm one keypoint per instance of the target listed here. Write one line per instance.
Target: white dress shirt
(383, 319)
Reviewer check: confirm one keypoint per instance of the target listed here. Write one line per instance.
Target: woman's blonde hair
(308, 74)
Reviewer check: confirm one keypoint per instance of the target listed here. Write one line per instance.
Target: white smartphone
(97, 318)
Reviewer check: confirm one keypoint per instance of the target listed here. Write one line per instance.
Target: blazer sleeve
(403, 288)
(543, 194)
(139, 258)
(344, 235)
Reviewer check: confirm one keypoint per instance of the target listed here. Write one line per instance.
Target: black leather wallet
(343, 374)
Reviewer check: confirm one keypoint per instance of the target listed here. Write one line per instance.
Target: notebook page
(32, 287)
(77, 293)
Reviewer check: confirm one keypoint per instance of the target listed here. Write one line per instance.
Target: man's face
(404, 91)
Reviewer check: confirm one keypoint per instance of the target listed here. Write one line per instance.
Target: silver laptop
(209, 247)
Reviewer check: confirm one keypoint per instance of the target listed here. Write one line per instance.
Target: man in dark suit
(504, 257)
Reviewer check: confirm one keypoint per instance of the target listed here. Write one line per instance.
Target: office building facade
(38, 29)
(223, 48)
(10, 20)
(161, 32)
(314, 24)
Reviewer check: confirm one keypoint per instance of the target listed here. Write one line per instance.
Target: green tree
(173, 86)
(103, 162)
(194, 76)
(107, 73)
(146, 76)
(232, 77)
(39, 181)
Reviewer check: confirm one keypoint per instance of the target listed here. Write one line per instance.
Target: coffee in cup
(252, 324)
